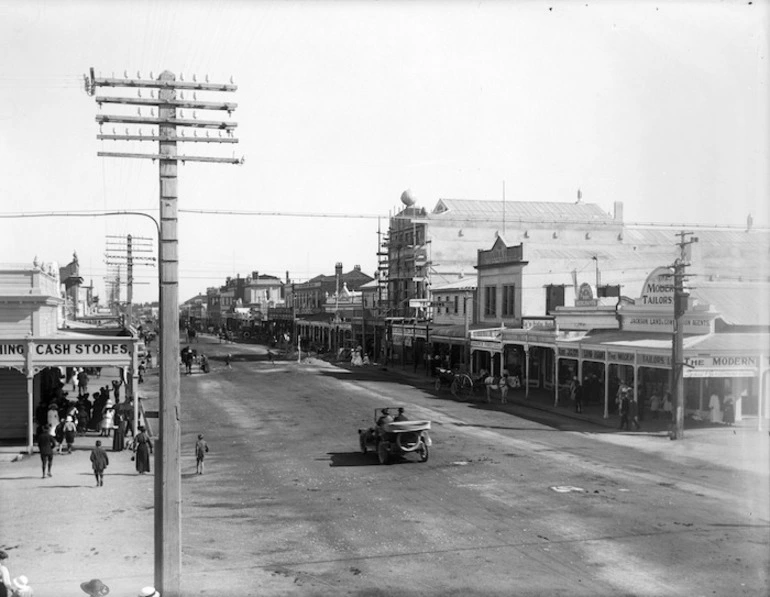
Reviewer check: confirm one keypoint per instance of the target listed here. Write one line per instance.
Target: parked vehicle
(460, 384)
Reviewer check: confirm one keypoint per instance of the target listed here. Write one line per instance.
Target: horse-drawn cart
(460, 384)
(390, 438)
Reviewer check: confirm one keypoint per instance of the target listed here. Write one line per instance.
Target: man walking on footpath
(45, 443)
(99, 461)
(577, 395)
(201, 447)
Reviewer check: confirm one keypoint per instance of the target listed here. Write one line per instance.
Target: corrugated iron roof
(522, 210)
(738, 303)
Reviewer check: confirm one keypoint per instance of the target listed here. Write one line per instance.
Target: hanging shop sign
(585, 297)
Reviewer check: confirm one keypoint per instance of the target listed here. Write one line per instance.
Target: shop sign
(655, 360)
(12, 352)
(54, 353)
(593, 355)
(690, 325)
(572, 353)
(280, 313)
(723, 362)
(585, 297)
(485, 345)
(658, 289)
(539, 323)
(621, 357)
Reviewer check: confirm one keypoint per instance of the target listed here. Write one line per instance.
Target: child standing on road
(99, 461)
(201, 447)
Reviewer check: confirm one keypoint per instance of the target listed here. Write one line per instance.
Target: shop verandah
(721, 368)
(31, 367)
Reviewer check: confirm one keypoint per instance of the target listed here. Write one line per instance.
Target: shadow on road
(353, 459)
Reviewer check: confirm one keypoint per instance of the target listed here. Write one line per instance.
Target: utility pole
(677, 355)
(133, 244)
(171, 124)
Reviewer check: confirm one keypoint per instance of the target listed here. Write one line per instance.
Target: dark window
(490, 301)
(457, 304)
(554, 297)
(509, 301)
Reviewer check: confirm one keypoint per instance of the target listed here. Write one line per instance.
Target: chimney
(618, 216)
(749, 222)
(357, 268)
(254, 275)
(338, 269)
(287, 276)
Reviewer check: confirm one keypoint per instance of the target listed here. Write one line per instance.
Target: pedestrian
(201, 447)
(6, 588)
(21, 587)
(52, 417)
(149, 592)
(270, 356)
(95, 588)
(58, 435)
(228, 358)
(82, 383)
(107, 422)
(729, 410)
(577, 395)
(633, 412)
(99, 462)
(654, 404)
(70, 431)
(142, 446)
(119, 436)
(116, 389)
(625, 407)
(504, 387)
(715, 408)
(46, 444)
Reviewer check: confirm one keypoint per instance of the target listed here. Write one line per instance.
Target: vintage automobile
(390, 438)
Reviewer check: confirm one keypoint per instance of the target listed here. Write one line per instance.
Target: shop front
(30, 368)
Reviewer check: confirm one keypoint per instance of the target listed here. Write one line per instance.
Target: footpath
(63, 530)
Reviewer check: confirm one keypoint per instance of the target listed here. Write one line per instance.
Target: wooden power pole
(171, 124)
(123, 252)
(677, 354)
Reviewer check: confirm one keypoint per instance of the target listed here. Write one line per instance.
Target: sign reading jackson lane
(47, 352)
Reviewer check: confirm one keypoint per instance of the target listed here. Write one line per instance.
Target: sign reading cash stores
(654, 309)
(52, 352)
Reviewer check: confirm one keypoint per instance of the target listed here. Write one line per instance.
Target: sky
(344, 105)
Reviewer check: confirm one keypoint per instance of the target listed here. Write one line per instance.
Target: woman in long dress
(119, 437)
(143, 449)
